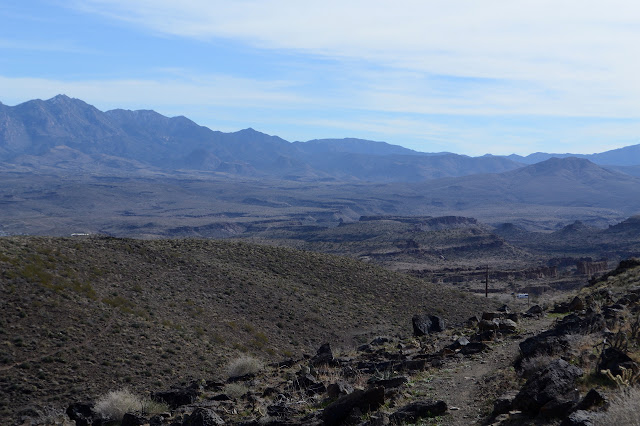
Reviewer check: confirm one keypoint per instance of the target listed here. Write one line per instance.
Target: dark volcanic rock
(203, 417)
(550, 391)
(177, 397)
(323, 356)
(579, 418)
(473, 348)
(338, 389)
(83, 414)
(310, 385)
(593, 398)
(365, 401)
(421, 325)
(612, 359)
(576, 304)
(130, 419)
(418, 410)
(392, 382)
(425, 324)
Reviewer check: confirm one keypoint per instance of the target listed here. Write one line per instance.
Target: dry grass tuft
(624, 409)
(243, 366)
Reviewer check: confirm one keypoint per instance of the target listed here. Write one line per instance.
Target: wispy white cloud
(199, 90)
(568, 57)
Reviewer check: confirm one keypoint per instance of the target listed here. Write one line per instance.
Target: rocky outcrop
(550, 391)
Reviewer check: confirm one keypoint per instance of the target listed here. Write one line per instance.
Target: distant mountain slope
(356, 146)
(554, 182)
(626, 156)
(32, 133)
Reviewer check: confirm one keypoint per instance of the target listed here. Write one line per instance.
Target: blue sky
(463, 76)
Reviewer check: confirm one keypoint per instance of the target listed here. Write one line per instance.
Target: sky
(464, 76)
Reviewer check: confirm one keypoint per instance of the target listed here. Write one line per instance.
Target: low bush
(242, 366)
(623, 410)
(115, 404)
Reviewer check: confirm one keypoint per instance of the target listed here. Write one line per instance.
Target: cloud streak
(571, 58)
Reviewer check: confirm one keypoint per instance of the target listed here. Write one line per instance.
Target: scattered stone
(379, 341)
(369, 400)
(417, 410)
(504, 308)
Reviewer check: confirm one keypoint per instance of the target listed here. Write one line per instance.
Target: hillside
(84, 315)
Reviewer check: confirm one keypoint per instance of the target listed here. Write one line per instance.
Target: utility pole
(486, 283)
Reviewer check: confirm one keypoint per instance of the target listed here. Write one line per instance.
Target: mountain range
(71, 135)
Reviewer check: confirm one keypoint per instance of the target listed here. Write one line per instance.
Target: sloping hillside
(85, 315)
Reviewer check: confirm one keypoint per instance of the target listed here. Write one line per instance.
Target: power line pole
(486, 283)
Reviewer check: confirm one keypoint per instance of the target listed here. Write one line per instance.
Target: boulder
(488, 325)
(309, 384)
(338, 389)
(425, 324)
(131, 419)
(507, 325)
(576, 304)
(83, 414)
(363, 400)
(324, 355)
(579, 418)
(177, 397)
(612, 359)
(459, 343)
(593, 398)
(392, 382)
(503, 404)
(417, 410)
(421, 325)
(535, 310)
(437, 324)
(550, 391)
(473, 348)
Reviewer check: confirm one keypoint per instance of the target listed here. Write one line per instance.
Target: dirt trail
(460, 383)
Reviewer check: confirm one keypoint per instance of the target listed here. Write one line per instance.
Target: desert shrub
(116, 404)
(235, 390)
(623, 410)
(531, 365)
(243, 366)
